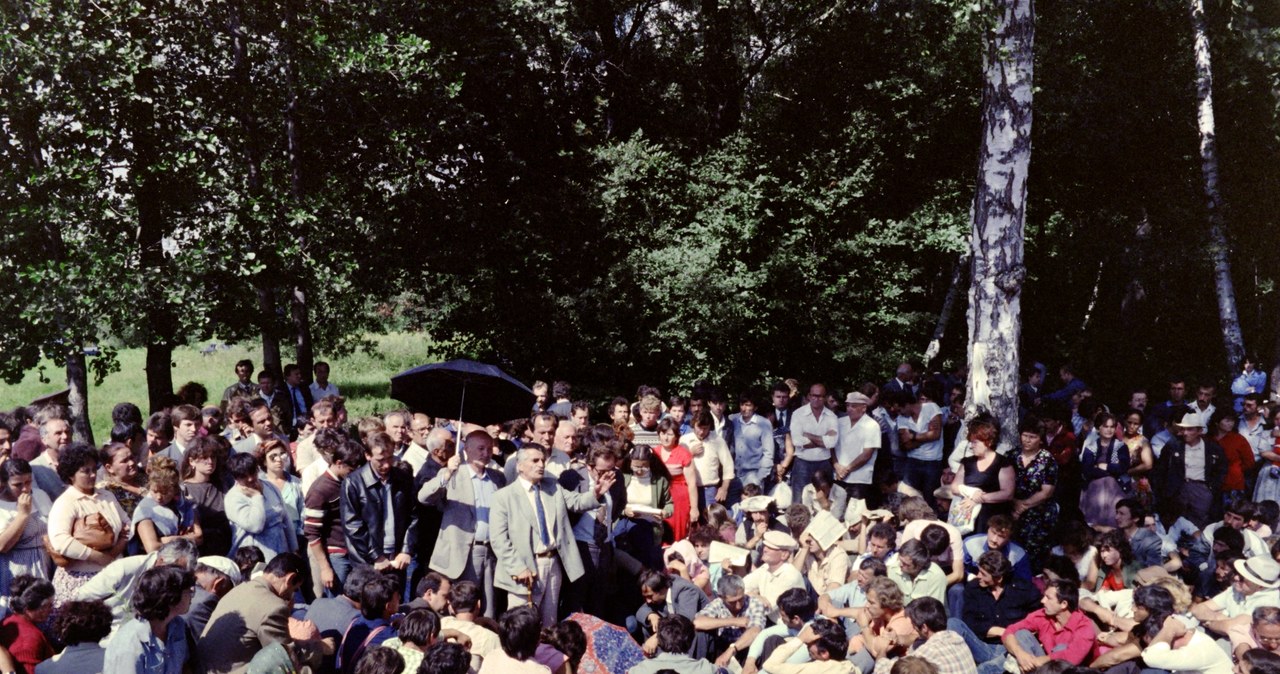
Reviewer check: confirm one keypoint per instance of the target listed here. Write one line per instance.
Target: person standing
(593, 531)
(379, 513)
(814, 435)
(244, 386)
(1192, 467)
(532, 535)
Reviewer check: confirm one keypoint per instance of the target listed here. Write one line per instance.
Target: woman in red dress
(684, 478)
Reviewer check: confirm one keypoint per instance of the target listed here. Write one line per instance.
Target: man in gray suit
(463, 550)
(531, 534)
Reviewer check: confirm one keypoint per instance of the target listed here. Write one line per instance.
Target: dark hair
(704, 420)
(675, 634)
(464, 595)
(159, 590)
(1154, 598)
(995, 563)
(380, 660)
(1136, 509)
(125, 431)
(375, 596)
(916, 552)
(356, 580)
(1261, 661)
(568, 638)
(160, 424)
(520, 629)
(1149, 628)
(433, 581)
(445, 657)
(82, 622)
(1068, 592)
(656, 581)
(1000, 522)
(75, 456)
(929, 612)
(203, 447)
(1116, 539)
(420, 627)
(883, 531)
(1232, 538)
(27, 593)
(284, 564)
(669, 424)
(11, 467)
(247, 557)
(821, 479)
(797, 603)
(832, 637)
(242, 465)
(1062, 567)
(935, 539)
(877, 567)
(126, 413)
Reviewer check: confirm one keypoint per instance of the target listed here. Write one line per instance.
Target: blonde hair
(1177, 588)
(650, 403)
(162, 474)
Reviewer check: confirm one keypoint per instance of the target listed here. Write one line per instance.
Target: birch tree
(999, 214)
(1228, 319)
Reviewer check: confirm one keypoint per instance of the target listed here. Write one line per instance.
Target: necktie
(542, 518)
(600, 532)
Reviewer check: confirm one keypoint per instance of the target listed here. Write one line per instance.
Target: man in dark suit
(593, 532)
(379, 511)
(252, 616)
(1191, 468)
(780, 416)
(300, 401)
(668, 595)
(903, 380)
(276, 399)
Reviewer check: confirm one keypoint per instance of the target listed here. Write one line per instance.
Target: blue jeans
(925, 476)
(984, 654)
(802, 473)
(341, 567)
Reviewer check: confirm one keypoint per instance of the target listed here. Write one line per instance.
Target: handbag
(956, 517)
(92, 531)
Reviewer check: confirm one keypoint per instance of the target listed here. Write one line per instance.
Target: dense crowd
(878, 531)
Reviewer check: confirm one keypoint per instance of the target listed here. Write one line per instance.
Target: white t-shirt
(1201, 656)
(929, 451)
(854, 439)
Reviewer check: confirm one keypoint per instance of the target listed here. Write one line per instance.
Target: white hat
(1260, 570)
(856, 398)
(1190, 420)
(779, 540)
(756, 504)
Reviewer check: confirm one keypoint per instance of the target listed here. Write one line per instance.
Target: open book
(825, 529)
(645, 510)
(722, 551)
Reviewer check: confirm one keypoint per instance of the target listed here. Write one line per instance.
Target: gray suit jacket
(458, 526)
(513, 530)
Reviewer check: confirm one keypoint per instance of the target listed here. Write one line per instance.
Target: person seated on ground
(675, 635)
(380, 660)
(519, 633)
(916, 574)
(1262, 632)
(1123, 645)
(432, 592)
(562, 647)
(824, 641)
(331, 615)
(1116, 566)
(665, 594)
(795, 610)
(379, 600)
(877, 540)
(937, 644)
(775, 574)
(1114, 610)
(79, 626)
(1257, 661)
(825, 568)
(760, 518)
(445, 658)
(30, 603)
(157, 638)
(996, 597)
(1235, 516)
(915, 514)
(700, 539)
(1077, 546)
(822, 493)
(884, 629)
(682, 559)
(116, 584)
(733, 619)
(1180, 540)
(999, 538)
(212, 584)
(913, 664)
(1171, 645)
(414, 635)
(252, 615)
(1057, 631)
(848, 601)
(1131, 517)
(1255, 584)
(466, 602)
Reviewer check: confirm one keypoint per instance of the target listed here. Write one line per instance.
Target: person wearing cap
(776, 574)
(759, 520)
(857, 445)
(1254, 585)
(1192, 467)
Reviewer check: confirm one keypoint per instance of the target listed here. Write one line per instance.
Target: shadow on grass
(364, 390)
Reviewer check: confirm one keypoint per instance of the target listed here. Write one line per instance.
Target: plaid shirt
(754, 612)
(948, 653)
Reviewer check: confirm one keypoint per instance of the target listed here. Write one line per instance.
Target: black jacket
(576, 479)
(363, 515)
(1170, 472)
(982, 610)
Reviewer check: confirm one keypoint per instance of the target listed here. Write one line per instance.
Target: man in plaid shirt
(944, 649)
(735, 618)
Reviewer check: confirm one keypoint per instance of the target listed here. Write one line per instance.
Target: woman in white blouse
(24, 520)
(87, 526)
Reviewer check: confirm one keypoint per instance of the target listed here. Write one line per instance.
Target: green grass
(364, 379)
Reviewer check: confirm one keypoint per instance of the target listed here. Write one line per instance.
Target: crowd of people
(877, 531)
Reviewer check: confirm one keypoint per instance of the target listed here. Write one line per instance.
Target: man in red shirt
(1059, 631)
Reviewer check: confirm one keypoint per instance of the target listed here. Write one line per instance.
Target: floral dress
(1037, 523)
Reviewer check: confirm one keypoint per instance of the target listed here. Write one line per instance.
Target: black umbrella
(475, 392)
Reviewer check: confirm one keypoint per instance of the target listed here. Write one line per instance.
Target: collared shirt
(1159, 440)
(780, 662)
(1233, 604)
(982, 610)
(318, 393)
(855, 438)
(931, 582)
(1259, 437)
(73, 505)
(585, 529)
(976, 544)
(947, 652)
(78, 659)
(752, 442)
(483, 641)
(712, 460)
(1203, 415)
(823, 426)
(482, 490)
(676, 662)
(832, 570)
(929, 451)
(532, 492)
(753, 611)
(134, 648)
(1201, 655)
(769, 585)
(1077, 635)
(1195, 457)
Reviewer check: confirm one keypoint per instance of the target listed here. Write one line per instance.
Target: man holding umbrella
(532, 536)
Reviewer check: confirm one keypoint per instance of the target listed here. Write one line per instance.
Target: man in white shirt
(775, 574)
(1203, 406)
(859, 442)
(322, 388)
(920, 435)
(1252, 425)
(814, 435)
(55, 434)
(1255, 584)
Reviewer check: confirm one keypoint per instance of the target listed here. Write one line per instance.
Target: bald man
(463, 494)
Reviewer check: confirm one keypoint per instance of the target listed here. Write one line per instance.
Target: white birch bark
(999, 214)
(1219, 252)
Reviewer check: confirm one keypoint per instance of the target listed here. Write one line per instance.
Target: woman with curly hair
(164, 514)
(156, 640)
(24, 519)
(87, 527)
(203, 485)
(1116, 566)
(30, 603)
(80, 625)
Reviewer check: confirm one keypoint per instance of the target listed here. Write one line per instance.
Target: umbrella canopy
(463, 389)
(609, 647)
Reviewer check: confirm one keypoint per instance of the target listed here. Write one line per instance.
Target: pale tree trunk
(1232, 339)
(948, 307)
(999, 214)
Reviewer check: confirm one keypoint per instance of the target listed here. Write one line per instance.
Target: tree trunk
(999, 215)
(298, 308)
(78, 383)
(948, 307)
(1232, 339)
(267, 322)
(159, 370)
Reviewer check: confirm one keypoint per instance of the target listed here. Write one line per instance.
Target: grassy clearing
(364, 379)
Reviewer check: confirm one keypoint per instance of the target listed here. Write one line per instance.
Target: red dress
(25, 642)
(675, 461)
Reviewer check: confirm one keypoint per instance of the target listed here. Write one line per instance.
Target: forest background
(617, 192)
